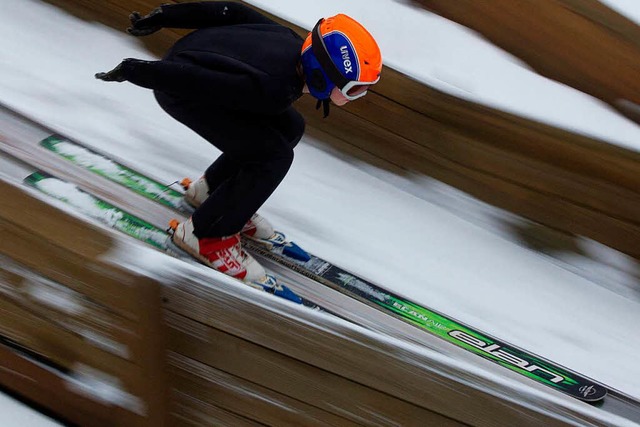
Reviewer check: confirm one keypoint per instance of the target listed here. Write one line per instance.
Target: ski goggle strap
(322, 55)
(351, 89)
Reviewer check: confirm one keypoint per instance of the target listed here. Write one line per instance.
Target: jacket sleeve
(233, 91)
(209, 14)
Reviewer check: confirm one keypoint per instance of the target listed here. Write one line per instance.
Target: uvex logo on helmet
(346, 60)
(343, 55)
(340, 52)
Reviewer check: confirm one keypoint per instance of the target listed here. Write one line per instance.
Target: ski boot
(225, 254)
(257, 229)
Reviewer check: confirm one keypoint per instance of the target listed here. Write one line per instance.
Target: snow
(85, 158)
(59, 297)
(115, 172)
(85, 203)
(628, 8)
(104, 388)
(93, 208)
(15, 413)
(415, 236)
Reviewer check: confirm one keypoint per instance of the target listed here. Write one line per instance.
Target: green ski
(99, 209)
(321, 271)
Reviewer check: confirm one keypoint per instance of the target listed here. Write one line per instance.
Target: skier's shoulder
(268, 28)
(260, 33)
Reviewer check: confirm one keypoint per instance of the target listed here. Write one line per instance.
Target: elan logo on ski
(533, 367)
(499, 352)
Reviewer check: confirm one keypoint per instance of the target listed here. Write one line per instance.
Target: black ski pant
(257, 152)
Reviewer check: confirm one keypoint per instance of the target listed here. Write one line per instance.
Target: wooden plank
(69, 310)
(293, 378)
(606, 17)
(153, 362)
(38, 383)
(48, 241)
(244, 398)
(189, 411)
(542, 32)
(65, 348)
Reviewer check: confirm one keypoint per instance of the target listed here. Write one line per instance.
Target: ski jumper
(232, 81)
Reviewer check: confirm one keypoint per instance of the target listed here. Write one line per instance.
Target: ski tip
(294, 251)
(186, 183)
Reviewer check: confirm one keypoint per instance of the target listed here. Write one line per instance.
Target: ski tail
(112, 216)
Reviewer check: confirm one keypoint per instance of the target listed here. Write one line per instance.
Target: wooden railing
(80, 336)
(92, 334)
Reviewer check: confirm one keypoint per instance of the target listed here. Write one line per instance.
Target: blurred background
(491, 175)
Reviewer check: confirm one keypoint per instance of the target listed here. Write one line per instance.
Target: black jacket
(237, 59)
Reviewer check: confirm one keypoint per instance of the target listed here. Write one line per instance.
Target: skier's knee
(294, 128)
(297, 132)
(282, 160)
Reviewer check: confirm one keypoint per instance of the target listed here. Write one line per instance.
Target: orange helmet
(340, 52)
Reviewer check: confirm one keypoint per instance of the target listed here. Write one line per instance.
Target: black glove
(145, 25)
(117, 74)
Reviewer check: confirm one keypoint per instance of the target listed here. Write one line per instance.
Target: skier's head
(340, 52)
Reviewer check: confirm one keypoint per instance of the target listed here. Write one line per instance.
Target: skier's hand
(145, 25)
(115, 75)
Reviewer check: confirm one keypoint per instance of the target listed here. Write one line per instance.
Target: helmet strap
(325, 106)
(317, 80)
(322, 55)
